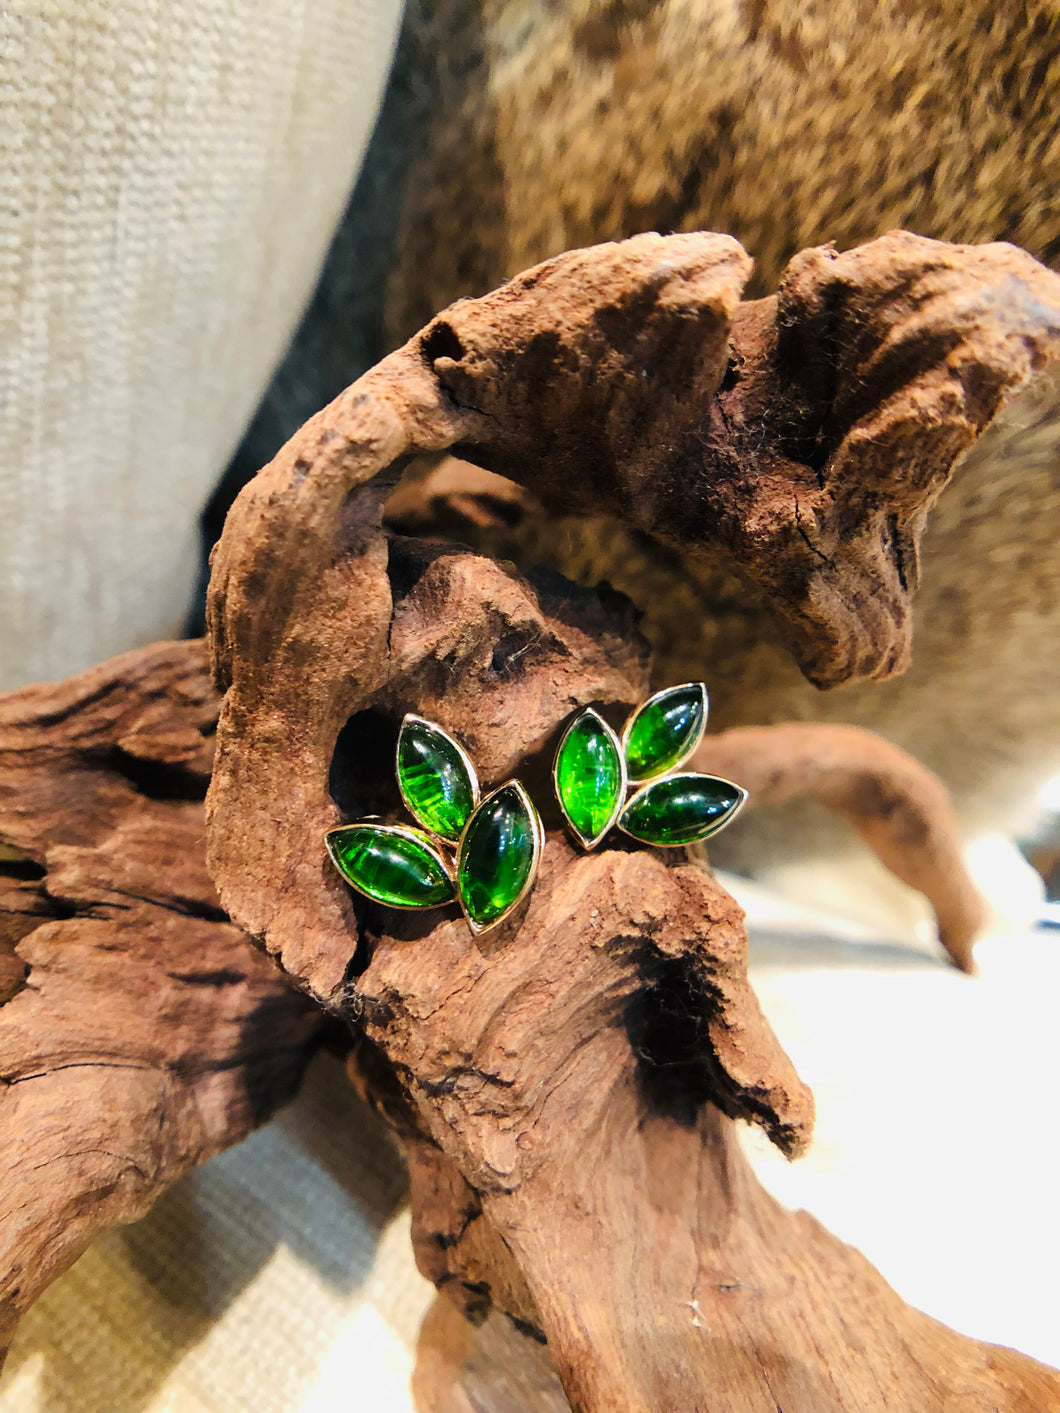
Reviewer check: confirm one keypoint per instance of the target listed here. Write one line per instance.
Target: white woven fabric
(277, 1278)
(170, 175)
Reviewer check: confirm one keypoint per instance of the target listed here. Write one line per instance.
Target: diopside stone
(436, 779)
(589, 777)
(498, 856)
(665, 730)
(681, 809)
(392, 864)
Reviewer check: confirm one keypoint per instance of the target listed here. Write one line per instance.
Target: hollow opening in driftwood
(669, 1036)
(361, 777)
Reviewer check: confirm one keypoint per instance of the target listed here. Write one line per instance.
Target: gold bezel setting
(538, 830)
(620, 803)
(634, 790)
(627, 730)
(408, 831)
(465, 759)
(721, 824)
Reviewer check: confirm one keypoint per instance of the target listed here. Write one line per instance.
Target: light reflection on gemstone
(498, 856)
(392, 864)
(436, 779)
(664, 732)
(589, 777)
(682, 809)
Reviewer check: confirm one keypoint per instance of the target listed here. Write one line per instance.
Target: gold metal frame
(408, 831)
(539, 844)
(410, 716)
(585, 842)
(723, 823)
(677, 764)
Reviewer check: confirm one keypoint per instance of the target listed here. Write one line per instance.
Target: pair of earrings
(484, 852)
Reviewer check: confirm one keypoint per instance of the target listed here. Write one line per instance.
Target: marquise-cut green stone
(390, 864)
(666, 730)
(433, 778)
(681, 809)
(497, 856)
(589, 777)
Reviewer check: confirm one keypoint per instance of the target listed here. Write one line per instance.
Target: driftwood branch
(140, 1032)
(566, 1088)
(772, 1310)
(900, 809)
(803, 436)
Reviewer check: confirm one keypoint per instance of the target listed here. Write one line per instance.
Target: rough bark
(570, 1165)
(565, 1086)
(775, 1311)
(804, 435)
(140, 1032)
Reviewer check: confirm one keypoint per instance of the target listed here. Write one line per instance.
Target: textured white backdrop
(170, 176)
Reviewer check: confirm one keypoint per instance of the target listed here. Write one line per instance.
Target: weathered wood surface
(565, 1087)
(804, 435)
(574, 1169)
(140, 1032)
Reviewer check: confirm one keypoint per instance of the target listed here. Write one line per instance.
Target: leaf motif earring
(483, 853)
(594, 768)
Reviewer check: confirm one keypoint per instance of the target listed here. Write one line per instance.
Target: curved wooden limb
(803, 437)
(899, 808)
(564, 1083)
(140, 1032)
(780, 1314)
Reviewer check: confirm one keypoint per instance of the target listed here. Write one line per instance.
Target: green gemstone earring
(482, 853)
(594, 768)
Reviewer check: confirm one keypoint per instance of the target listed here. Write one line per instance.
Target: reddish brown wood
(560, 1084)
(466, 1368)
(565, 1086)
(140, 1033)
(804, 435)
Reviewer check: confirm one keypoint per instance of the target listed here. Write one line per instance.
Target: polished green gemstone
(436, 779)
(588, 776)
(665, 730)
(391, 863)
(498, 856)
(681, 809)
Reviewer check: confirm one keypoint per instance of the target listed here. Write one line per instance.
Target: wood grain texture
(566, 1085)
(140, 1032)
(570, 1164)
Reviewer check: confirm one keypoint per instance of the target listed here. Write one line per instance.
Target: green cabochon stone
(434, 779)
(589, 777)
(496, 856)
(680, 809)
(666, 730)
(391, 866)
